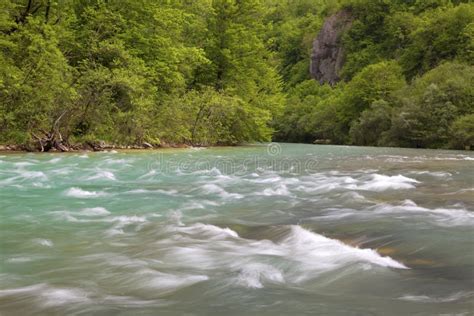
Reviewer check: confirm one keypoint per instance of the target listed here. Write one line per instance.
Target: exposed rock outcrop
(327, 57)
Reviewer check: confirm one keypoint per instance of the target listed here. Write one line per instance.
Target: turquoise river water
(275, 229)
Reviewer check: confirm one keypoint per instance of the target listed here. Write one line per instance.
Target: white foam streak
(43, 242)
(427, 299)
(307, 254)
(94, 211)
(47, 295)
(382, 183)
(438, 174)
(123, 220)
(209, 231)
(255, 274)
(79, 193)
(103, 175)
(22, 164)
(58, 296)
(215, 189)
(322, 183)
(330, 253)
(444, 216)
(273, 179)
(169, 282)
(281, 190)
(55, 160)
(20, 259)
(158, 191)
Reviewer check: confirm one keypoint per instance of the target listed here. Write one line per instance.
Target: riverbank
(101, 147)
(87, 147)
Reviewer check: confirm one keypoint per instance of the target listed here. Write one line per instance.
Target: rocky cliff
(327, 57)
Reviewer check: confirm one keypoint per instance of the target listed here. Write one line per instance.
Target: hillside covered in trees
(207, 72)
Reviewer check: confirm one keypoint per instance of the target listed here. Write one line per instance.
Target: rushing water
(260, 230)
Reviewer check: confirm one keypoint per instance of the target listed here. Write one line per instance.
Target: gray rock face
(327, 57)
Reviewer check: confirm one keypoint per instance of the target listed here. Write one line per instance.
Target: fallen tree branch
(39, 141)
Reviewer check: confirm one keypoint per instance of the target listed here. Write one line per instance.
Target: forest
(227, 72)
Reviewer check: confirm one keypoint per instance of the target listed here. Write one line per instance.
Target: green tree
(240, 63)
(444, 35)
(462, 131)
(35, 82)
(375, 82)
(424, 123)
(232, 71)
(370, 128)
(296, 122)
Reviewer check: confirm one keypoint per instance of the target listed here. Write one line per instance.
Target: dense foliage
(408, 77)
(131, 71)
(232, 71)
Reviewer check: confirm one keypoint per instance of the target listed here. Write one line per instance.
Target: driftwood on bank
(52, 139)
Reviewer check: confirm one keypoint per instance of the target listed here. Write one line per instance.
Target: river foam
(428, 299)
(94, 211)
(47, 295)
(308, 248)
(43, 242)
(302, 255)
(102, 175)
(80, 193)
(217, 190)
(379, 183)
(442, 216)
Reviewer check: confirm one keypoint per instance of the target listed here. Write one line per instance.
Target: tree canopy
(207, 72)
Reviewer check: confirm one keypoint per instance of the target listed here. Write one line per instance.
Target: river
(277, 229)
